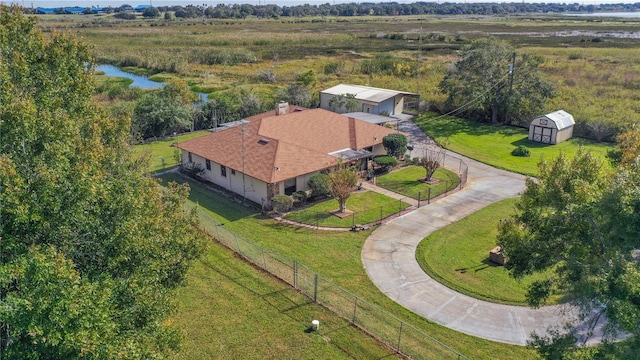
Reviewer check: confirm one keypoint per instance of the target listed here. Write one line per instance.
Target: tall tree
(487, 82)
(343, 182)
(92, 249)
(164, 111)
(584, 224)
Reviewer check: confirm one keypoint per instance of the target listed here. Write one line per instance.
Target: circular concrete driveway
(389, 258)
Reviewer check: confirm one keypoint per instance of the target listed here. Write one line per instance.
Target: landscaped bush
(282, 203)
(192, 169)
(521, 151)
(395, 144)
(319, 185)
(385, 161)
(300, 196)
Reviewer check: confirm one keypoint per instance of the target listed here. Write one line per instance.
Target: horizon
(117, 3)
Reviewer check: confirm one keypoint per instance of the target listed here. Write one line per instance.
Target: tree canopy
(395, 144)
(485, 83)
(584, 224)
(92, 248)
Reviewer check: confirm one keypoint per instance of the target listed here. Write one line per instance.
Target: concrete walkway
(369, 186)
(389, 258)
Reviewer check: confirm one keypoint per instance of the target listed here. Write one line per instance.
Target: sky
(116, 3)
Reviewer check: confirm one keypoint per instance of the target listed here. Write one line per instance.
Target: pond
(139, 81)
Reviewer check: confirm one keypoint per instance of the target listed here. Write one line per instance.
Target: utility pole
(512, 70)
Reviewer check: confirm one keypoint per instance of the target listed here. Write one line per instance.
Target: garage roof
(365, 93)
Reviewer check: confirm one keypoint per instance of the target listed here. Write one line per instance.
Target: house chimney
(282, 108)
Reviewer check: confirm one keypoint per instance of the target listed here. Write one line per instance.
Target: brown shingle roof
(296, 143)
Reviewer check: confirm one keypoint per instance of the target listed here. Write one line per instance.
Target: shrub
(320, 185)
(300, 196)
(385, 161)
(395, 144)
(281, 203)
(521, 151)
(192, 169)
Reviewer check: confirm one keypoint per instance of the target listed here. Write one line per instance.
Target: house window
(190, 159)
(233, 172)
(208, 164)
(223, 170)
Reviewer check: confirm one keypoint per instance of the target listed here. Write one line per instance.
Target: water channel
(139, 81)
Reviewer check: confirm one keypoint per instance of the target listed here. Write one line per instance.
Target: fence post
(237, 243)
(215, 226)
(264, 260)
(418, 199)
(399, 207)
(428, 195)
(162, 162)
(355, 307)
(353, 220)
(400, 335)
(380, 213)
(295, 274)
(315, 288)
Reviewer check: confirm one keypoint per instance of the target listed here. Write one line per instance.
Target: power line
(473, 100)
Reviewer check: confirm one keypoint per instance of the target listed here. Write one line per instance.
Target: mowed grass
(365, 207)
(336, 257)
(492, 145)
(163, 155)
(230, 310)
(458, 257)
(406, 181)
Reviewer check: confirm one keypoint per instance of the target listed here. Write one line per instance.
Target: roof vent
(263, 141)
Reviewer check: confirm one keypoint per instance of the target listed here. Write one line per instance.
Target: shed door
(542, 134)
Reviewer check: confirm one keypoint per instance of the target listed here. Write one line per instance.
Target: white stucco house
(278, 151)
(370, 100)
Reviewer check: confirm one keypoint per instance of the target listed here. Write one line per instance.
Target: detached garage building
(552, 128)
(370, 100)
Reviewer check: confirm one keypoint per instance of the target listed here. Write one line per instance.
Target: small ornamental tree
(320, 185)
(395, 144)
(431, 160)
(344, 181)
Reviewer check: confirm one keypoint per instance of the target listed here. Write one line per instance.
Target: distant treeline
(224, 11)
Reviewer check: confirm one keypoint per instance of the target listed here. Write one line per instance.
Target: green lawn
(336, 256)
(458, 257)
(163, 155)
(493, 144)
(405, 182)
(230, 310)
(366, 207)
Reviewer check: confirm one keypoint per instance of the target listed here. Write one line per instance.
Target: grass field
(163, 155)
(366, 207)
(493, 144)
(230, 310)
(458, 257)
(335, 256)
(405, 181)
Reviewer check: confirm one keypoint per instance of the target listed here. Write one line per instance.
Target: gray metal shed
(552, 128)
